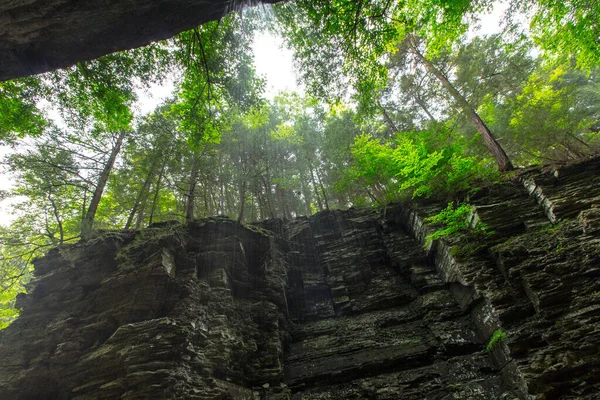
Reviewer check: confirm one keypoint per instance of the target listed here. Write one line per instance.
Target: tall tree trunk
(61, 230)
(88, 221)
(282, 200)
(83, 207)
(490, 142)
(242, 201)
(423, 106)
(157, 190)
(323, 190)
(230, 202)
(306, 194)
(190, 195)
(140, 214)
(207, 207)
(214, 200)
(316, 189)
(142, 195)
(253, 209)
(261, 205)
(387, 118)
(267, 184)
(371, 195)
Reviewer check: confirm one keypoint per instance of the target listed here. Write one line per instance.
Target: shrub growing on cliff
(456, 220)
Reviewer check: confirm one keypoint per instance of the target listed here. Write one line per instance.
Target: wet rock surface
(383, 324)
(536, 278)
(341, 305)
(173, 312)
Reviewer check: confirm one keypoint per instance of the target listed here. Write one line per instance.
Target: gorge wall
(341, 305)
(42, 35)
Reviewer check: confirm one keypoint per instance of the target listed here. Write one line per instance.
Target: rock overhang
(42, 35)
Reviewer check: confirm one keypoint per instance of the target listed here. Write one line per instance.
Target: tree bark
(261, 205)
(323, 191)
(189, 204)
(306, 194)
(388, 119)
(61, 230)
(207, 205)
(316, 189)
(242, 201)
(141, 197)
(267, 184)
(140, 214)
(156, 191)
(282, 201)
(489, 141)
(88, 221)
(423, 106)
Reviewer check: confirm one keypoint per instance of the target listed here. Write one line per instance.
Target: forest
(401, 103)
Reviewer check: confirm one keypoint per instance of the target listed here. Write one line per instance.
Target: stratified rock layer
(374, 321)
(341, 305)
(190, 312)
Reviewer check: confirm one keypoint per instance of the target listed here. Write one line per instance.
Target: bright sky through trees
(273, 61)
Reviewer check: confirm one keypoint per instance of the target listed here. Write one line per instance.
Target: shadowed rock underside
(42, 35)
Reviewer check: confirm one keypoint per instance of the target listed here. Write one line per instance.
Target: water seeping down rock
(341, 305)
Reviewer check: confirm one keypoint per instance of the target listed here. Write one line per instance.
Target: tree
(19, 115)
(414, 164)
(147, 160)
(556, 114)
(363, 31)
(88, 219)
(339, 42)
(567, 31)
(218, 83)
(504, 163)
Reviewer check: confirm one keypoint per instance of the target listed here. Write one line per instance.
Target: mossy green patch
(498, 337)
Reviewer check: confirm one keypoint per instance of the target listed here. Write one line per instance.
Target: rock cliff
(41, 35)
(341, 305)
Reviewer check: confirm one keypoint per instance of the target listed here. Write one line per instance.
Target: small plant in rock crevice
(498, 337)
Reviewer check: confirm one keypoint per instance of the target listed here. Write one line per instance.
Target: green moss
(550, 238)
(257, 229)
(498, 337)
(454, 387)
(151, 238)
(467, 248)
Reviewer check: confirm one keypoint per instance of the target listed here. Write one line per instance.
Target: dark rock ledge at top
(342, 305)
(42, 35)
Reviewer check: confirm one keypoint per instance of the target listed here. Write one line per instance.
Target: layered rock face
(373, 320)
(41, 35)
(341, 305)
(177, 312)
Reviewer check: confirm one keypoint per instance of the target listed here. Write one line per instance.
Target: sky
(273, 61)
